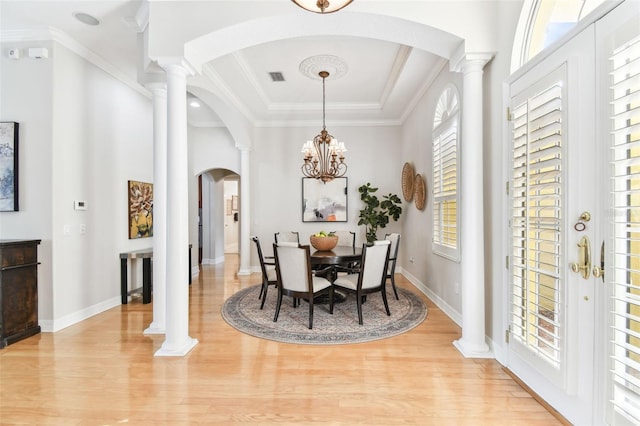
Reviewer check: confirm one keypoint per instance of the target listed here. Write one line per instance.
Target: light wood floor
(102, 372)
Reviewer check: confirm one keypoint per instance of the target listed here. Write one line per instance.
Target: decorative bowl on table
(323, 242)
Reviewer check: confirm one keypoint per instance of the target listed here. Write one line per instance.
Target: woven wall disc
(420, 193)
(407, 181)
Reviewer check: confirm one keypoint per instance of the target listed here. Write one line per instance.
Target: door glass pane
(624, 92)
(536, 222)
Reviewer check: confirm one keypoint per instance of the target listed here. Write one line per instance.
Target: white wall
(436, 275)
(87, 134)
(26, 97)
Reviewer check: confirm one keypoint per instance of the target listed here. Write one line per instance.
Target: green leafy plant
(376, 214)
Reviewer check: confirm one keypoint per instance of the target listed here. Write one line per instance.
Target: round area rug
(242, 311)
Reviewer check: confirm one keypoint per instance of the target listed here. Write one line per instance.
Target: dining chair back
(346, 238)
(393, 258)
(287, 236)
(371, 277)
(268, 269)
(293, 271)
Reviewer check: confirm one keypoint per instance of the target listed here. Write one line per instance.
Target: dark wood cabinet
(18, 290)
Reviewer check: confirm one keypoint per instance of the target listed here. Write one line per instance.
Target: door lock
(583, 265)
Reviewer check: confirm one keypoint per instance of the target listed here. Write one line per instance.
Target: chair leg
(311, 313)
(384, 299)
(263, 292)
(278, 303)
(393, 284)
(359, 304)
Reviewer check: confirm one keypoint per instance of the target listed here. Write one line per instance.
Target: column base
(189, 344)
(154, 329)
(244, 272)
(473, 350)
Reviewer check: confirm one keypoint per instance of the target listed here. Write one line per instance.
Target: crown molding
(225, 92)
(334, 124)
(411, 105)
(396, 70)
(60, 37)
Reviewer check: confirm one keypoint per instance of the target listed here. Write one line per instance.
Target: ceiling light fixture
(322, 6)
(324, 156)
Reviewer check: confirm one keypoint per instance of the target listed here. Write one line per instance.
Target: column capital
(470, 61)
(243, 148)
(177, 64)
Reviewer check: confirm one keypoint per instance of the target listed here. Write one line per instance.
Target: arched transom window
(542, 22)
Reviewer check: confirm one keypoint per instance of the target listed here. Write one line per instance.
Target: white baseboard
(440, 303)
(51, 326)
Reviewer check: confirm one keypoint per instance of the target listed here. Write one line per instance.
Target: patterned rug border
(241, 311)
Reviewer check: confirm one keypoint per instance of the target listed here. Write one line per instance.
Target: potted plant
(377, 213)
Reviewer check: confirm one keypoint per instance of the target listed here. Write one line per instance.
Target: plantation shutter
(536, 220)
(445, 185)
(624, 273)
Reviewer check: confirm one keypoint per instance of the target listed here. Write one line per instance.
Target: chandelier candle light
(324, 156)
(322, 6)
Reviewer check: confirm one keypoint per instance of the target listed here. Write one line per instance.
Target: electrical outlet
(411, 259)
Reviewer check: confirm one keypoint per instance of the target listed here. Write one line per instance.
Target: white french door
(552, 209)
(618, 56)
(574, 211)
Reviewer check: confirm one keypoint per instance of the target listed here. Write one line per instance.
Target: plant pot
(324, 243)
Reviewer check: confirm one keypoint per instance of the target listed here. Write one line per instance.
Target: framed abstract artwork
(140, 209)
(9, 167)
(324, 202)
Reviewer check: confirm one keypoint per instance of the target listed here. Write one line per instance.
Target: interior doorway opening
(218, 215)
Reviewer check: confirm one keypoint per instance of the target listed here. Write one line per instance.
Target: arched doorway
(218, 215)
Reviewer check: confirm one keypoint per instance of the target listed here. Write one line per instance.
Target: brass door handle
(583, 265)
(598, 271)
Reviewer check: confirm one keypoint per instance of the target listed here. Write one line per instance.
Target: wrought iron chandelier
(322, 6)
(324, 156)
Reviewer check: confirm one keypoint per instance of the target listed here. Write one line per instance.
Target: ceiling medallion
(322, 6)
(313, 65)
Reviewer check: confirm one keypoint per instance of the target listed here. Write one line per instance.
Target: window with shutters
(445, 175)
(536, 223)
(625, 270)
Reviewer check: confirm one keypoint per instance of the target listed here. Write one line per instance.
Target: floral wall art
(8, 167)
(140, 209)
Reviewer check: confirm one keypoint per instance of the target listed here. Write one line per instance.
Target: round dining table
(326, 260)
(338, 255)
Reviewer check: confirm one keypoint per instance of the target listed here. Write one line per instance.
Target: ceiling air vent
(276, 76)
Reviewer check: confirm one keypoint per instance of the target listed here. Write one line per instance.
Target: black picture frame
(324, 202)
(9, 173)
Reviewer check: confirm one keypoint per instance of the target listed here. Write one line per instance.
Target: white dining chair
(293, 270)
(371, 277)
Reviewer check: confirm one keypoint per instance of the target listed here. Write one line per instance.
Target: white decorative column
(177, 341)
(159, 92)
(245, 193)
(472, 344)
